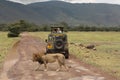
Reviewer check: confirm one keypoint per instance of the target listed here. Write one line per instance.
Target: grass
(5, 44)
(106, 57)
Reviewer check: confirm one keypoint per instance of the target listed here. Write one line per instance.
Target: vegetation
(5, 44)
(107, 43)
(107, 51)
(16, 28)
(107, 46)
(57, 11)
(22, 25)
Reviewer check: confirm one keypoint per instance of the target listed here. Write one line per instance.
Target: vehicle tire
(59, 44)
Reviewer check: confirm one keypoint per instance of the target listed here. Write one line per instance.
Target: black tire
(59, 44)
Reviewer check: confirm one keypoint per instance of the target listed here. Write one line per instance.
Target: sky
(71, 1)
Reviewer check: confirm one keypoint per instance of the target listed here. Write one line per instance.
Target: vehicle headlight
(49, 46)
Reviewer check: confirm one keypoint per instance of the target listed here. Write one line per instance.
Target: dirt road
(19, 66)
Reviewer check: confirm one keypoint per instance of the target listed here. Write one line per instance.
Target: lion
(50, 58)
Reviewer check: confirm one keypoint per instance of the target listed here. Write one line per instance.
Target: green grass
(5, 44)
(106, 57)
(94, 36)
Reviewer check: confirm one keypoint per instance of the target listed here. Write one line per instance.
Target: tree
(3, 27)
(65, 25)
(45, 28)
(18, 27)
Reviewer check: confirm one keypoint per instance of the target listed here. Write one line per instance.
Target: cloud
(80, 1)
(108, 1)
(71, 1)
(27, 1)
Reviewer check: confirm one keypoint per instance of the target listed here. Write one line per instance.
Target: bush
(10, 34)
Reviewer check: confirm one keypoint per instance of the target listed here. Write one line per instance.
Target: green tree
(18, 27)
(65, 25)
(3, 27)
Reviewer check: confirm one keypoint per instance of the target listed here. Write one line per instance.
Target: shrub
(10, 34)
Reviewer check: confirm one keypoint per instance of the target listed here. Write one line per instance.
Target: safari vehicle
(57, 42)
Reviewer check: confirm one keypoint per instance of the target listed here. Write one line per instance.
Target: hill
(58, 11)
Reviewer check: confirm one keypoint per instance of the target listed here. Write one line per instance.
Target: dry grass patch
(107, 53)
(5, 44)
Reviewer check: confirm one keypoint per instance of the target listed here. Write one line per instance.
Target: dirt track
(19, 66)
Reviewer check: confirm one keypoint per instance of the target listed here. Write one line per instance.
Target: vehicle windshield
(57, 30)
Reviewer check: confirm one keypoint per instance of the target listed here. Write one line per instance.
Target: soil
(18, 64)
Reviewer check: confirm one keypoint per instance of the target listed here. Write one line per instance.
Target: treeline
(22, 25)
(95, 28)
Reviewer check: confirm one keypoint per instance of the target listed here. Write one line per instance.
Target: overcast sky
(71, 1)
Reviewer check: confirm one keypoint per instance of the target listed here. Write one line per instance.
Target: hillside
(10, 12)
(57, 11)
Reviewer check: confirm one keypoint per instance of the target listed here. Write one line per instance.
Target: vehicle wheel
(59, 44)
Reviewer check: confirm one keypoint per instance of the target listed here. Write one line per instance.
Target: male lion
(50, 58)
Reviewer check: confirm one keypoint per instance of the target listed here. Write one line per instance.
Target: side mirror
(46, 40)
